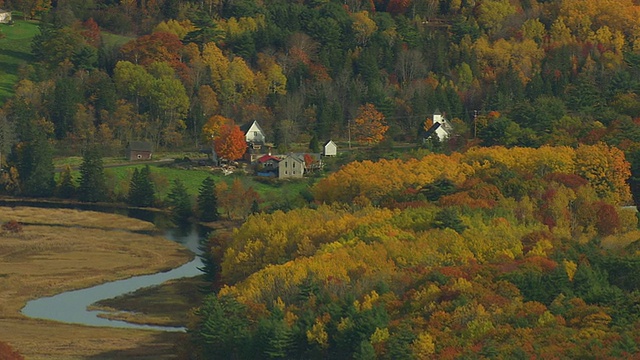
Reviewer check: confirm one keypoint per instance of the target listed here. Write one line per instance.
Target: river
(71, 306)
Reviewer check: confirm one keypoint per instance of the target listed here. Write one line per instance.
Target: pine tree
(179, 202)
(141, 189)
(35, 167)
(208, 201)
(313, 144)
(93, 187)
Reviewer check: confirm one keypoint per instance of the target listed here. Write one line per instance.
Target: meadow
(15, 49)
(272, 193)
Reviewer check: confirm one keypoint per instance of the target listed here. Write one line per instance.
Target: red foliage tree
(607, 221)
(91, 33)
(230, 144)
(157, 47)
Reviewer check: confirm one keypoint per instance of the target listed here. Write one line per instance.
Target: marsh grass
(67, 250)
(165, 304)
(72, 217)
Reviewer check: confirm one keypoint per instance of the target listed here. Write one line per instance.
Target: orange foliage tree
(370, 125)
(230, 144)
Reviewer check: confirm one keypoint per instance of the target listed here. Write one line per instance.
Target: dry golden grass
(71, 217)
(91, 248)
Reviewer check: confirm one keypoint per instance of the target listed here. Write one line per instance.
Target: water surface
(71, 306)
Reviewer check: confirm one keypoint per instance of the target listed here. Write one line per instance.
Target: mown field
(60, 250)
(271, 193)
(15, 49)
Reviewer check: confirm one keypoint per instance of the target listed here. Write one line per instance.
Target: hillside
(15, 49)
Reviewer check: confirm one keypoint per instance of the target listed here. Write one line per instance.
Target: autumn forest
(513, 238)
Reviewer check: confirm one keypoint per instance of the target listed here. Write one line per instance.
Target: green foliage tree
(93, 186)
(208, 201)
(141, 188)
(35, 166)
(66, 188)
(223, 330)
(179, 202)
(449, 218)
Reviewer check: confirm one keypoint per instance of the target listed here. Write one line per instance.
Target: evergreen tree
(210, 268)
(141, 189)
(223, 331)
(449, 218)
(93, 187)
(207, 201)
(179, 202)
(35, 167)
(313, 144)
(66, 189)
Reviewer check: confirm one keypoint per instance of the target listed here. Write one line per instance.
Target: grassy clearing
(164, 305)
(15, 49)
(45, 260)
(164, 176)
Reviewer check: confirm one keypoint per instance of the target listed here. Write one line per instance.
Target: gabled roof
(431, 130)
(295, 156)
(140, 146)
(267, 157)
(247, 126)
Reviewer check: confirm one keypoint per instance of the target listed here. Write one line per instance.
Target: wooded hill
(513, 251)
(494, 253)
(504, 72)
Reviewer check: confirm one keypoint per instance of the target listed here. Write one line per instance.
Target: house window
(255, 134)
(294, 165)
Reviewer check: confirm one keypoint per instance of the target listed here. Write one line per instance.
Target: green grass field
(15, 49)
(274, 194)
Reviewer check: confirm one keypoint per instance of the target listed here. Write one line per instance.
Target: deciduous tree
(231, 143)
(370, 125)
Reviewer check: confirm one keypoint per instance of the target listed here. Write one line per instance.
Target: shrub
(12, 226)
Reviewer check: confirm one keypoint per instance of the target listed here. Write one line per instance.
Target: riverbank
(163, 305)
(60, 250)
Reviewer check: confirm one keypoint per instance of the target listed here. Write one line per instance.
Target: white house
(5, 16)
(445, 129)
(330, 149)
(291, 166)
(253, 133)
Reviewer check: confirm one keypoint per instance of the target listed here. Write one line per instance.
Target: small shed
(139, 150)
(330, 149)
(5, 16)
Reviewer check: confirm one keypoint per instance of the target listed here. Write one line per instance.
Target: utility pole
(475, 123)
(349, 132)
